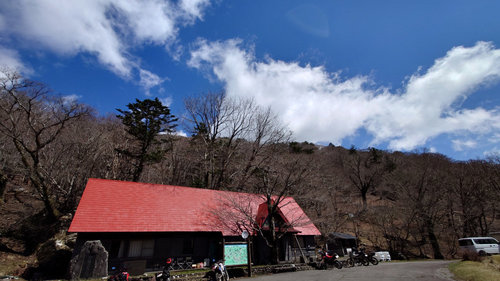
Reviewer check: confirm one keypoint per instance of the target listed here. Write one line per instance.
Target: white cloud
(433, 150)
(107, 29)
(149, 80)
(166, 101)
(322, 107)
(460, 145)
(193, 9)
(495, 138)
(180, 133)
(10, 59)
(493, 152)
(69, 99)
(429, 105)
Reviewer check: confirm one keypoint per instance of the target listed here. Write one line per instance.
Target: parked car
(481, 245)
(383, 256)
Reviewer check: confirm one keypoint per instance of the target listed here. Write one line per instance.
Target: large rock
(54, 255)
(90, 261)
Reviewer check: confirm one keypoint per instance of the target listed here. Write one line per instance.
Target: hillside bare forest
(417, 203)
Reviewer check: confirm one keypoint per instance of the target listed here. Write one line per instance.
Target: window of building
(148, 248)
(141, 248)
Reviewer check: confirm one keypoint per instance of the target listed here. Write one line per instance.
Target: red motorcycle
(329, 258)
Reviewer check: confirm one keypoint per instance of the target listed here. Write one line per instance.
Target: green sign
(235, 254)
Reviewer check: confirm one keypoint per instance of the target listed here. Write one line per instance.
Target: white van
(481, 245)
(383, 256)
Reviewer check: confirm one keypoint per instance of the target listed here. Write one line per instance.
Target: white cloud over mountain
(322, 106)
(107, 29)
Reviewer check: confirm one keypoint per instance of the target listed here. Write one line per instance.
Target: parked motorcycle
(371, 258)
(218, 272)
(348, 262)
(329, 258)
(119, 275)
(165, 274)
(359, 258)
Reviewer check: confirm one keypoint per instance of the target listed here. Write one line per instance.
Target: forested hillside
(417, 203)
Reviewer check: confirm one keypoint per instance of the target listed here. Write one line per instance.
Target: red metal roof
(119, 206)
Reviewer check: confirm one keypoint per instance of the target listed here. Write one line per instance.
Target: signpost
(245, 235)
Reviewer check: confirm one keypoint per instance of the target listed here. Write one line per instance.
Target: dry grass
(12, 264)
(486, 270)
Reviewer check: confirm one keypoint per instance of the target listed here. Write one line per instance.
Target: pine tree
(144, 121)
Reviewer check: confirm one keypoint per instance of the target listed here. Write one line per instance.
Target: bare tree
(33, 118)
(421, 194)
(226, 129)
(217, 124)
(469, 189)
(264, 133)
(270, 212)
(276, 181)
(366, 170)
(85, 148)
(327, 193)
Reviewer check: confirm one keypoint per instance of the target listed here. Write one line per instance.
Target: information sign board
(235, 254)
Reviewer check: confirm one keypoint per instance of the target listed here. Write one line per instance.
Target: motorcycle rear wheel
(338, 264)
(374, 260)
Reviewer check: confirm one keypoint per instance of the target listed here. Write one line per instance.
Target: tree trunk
(363, 199)
(274, 240)
(37, 180)
(138, 171)
(275, 253)
(433, 240)
(3, 186)
(52, 212)
(140, 166)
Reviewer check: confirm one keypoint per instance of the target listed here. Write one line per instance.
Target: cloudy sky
(396, 75)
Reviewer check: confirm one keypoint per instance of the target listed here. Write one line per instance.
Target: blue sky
(396, 75)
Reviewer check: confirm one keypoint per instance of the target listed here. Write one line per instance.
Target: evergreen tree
(144, 121)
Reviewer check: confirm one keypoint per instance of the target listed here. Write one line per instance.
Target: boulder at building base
(90, 261)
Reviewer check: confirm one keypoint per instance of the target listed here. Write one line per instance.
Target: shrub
(471, 256)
